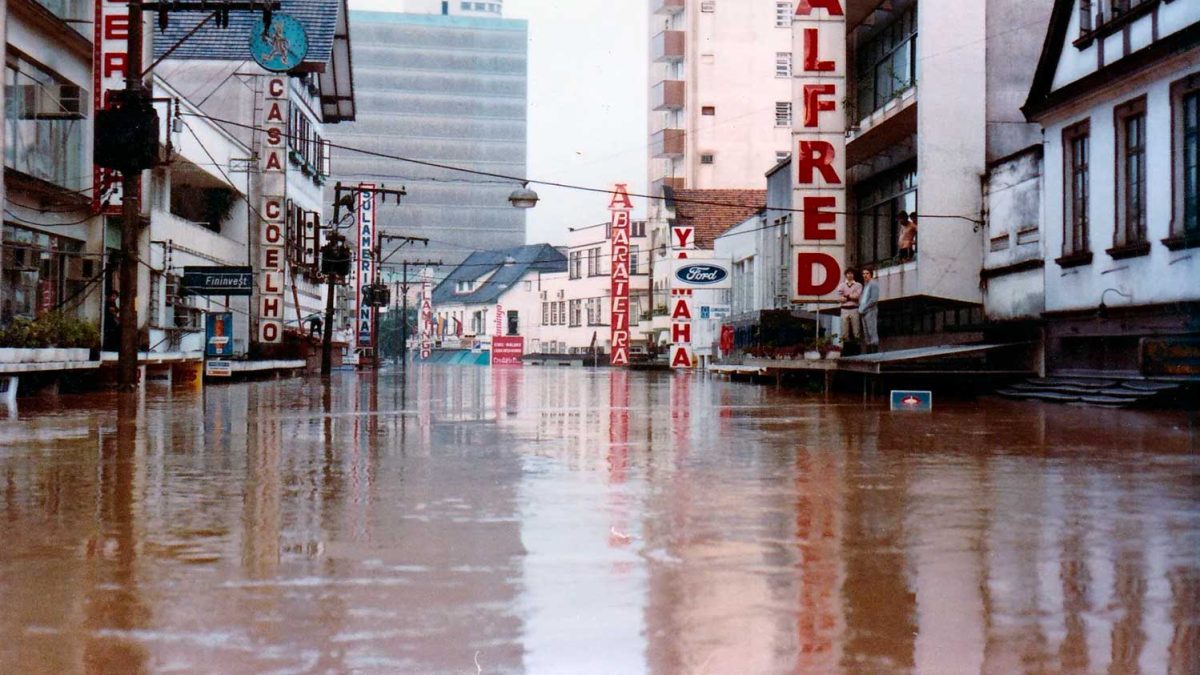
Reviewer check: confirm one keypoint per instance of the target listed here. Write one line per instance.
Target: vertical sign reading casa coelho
(110, 53)
(364, 252)
(621, 207)
(271, 240)
(819, 243)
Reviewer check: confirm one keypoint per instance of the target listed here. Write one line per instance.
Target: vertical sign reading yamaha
(683, 242)
(620, 206)
(271, 240)
(819, 243)
(365, 269)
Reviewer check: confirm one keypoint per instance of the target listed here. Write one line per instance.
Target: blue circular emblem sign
(701, 274)
(281, 46)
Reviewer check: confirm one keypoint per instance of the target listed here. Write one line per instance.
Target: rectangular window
(1076, 192)
(633, 259)
(514, 323)
(44, 118)
(576, 264)
(783, 114)
(562, 312)
(1185, 218)
(708, 6)
(1130, 122)
(707, 158)
(1086, 12)
(638, 229)
(783, 14)
(886, 64)
(708, 110)
(545, 314)
(783, 64)
(879, 200)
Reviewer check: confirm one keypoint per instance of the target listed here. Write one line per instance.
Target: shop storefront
(43, 273)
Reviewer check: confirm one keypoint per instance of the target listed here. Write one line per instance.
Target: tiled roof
(508, 265)
(713, 212)
(319, 18)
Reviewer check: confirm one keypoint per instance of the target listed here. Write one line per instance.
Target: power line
(547, 183)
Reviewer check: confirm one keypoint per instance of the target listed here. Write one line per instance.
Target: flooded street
(467, 520)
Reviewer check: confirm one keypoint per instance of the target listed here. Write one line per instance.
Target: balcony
(667, 95)
(667, 47)
(673, 182)
(668, 6)
(667, 144)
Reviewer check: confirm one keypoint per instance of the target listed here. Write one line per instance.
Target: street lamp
(1102, 310)
(523, 197)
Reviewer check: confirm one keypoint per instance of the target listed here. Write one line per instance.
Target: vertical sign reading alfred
(819, 243)
(271, 229)
(621, 207)
(364, 252)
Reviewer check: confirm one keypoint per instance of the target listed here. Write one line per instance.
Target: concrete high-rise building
(720, 92)
(445, 83)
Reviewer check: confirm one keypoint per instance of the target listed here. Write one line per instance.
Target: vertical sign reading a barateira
(271, 240)
(819, 241)
(620, 206)
(365, 268)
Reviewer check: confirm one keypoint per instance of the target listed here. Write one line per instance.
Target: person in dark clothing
(112, 323)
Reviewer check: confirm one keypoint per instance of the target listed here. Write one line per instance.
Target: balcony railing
(667, 95)
(668, 6)
(668, 144)
(667, 46)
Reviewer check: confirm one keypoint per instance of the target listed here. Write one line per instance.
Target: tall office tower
(446, 84)
(720, 92)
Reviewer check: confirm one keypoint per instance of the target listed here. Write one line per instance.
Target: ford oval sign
(701, 274)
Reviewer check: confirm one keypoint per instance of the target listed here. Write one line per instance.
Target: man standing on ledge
(851, 292)
(868, 308)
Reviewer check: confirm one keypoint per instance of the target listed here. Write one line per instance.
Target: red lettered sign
(819, 194)
(620, 206)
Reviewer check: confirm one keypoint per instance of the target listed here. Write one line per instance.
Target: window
(879, 200)
(1130, 124)
(708, 110)
(593, 262)
(887, 64)
(41, 270)
(1076, 155)
(554, 313)
(1185, 219)
(528, 285)
(545, 314)
(783, 64)
(74, 12)
(514, 323)
(43, 120)
(576, 264)
(1086, 12)
(708, 6)
(633, 259)
(576, 312)
(782, 156)
(638, 229)
(783, 14)
(707, 158)
(562, 312)
(783, 114)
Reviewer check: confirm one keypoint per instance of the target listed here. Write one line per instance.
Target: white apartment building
(496, 293)
(577, 304)
(720, 92)
(1117, 92)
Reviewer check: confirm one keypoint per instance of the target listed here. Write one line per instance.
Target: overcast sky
(587, 104)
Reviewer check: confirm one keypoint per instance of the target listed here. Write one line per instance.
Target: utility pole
(404, 292)
(127, 360)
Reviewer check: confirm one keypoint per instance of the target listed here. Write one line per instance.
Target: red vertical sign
(621, 207)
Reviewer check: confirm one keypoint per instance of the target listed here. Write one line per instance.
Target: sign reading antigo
(271, 240)
(621, 207)
(819, 194)
(365, 269)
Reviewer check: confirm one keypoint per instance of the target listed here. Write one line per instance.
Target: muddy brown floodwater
(467, 520)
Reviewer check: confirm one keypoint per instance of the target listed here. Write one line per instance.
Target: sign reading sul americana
(819, 195)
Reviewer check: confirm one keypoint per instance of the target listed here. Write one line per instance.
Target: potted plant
(811, 352)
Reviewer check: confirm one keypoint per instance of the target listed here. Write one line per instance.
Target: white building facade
(1118, 95)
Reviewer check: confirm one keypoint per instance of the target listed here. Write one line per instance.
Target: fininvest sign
(819, 194)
